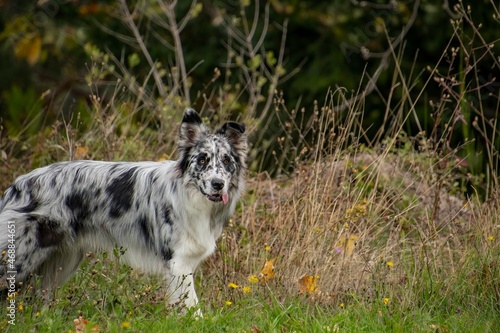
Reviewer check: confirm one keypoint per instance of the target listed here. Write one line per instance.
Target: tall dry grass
(387, 223)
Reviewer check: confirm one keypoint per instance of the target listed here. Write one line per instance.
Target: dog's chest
(198, 241)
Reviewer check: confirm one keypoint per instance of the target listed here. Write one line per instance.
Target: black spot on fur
(53, 182)
(78, 204)
(79, 177)
(145, 228)
(166, 215)
(48, 233)
(27, 229)
(30, 207)
(167, 253)
(183, 163)
(13, 193)
(121, 192)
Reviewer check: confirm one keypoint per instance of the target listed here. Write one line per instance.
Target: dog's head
(213, 163)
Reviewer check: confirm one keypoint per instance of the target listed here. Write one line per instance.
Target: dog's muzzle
(217, 186)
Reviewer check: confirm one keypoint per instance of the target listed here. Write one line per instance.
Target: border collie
(167, 215)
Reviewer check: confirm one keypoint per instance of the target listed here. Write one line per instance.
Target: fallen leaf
(81, 326)
(308, 284)
(267, 273)
(255, 329)
(81, 152)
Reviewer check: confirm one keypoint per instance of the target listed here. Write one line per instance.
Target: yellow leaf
(267, 273)
(163, 157)
(308, 284)
(29, 48)
(81, 152)
(197, 9)
(81, 326)
(347, 243)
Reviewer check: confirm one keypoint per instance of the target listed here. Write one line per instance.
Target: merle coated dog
(167, 215)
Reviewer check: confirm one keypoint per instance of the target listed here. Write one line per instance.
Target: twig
(175, 30)
(131, 24)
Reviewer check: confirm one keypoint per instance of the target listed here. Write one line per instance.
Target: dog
(167, 215)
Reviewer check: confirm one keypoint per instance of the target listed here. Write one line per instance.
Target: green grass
(258, 315)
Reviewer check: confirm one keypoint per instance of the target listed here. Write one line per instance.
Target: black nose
(217, 184)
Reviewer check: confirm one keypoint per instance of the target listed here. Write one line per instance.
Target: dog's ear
(235, 134)
(192, 129)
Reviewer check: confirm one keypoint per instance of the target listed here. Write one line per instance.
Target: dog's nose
(217, 184)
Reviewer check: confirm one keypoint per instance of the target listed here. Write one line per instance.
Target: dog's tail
(2, 202)
(8, 194)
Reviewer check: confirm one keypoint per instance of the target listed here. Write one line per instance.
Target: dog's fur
(167, 215)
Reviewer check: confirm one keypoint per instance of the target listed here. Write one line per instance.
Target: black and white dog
(167, 215)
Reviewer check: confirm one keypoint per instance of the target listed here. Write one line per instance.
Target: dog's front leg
(182, 291)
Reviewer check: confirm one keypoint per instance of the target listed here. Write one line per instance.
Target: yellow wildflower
(228, 303)
(232, 285)
(386, 301)
(390, 264)
(125, 324)
(247, 289)
(253, 279)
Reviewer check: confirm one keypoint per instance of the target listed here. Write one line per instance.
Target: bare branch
(168, 10)
(128, 18)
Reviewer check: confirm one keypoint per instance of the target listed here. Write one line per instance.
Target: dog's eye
(202, 161)
(226, 161)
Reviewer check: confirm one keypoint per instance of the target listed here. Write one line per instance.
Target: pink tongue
(225, 198)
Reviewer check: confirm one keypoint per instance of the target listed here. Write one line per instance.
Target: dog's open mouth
(218, 197)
